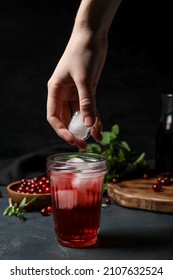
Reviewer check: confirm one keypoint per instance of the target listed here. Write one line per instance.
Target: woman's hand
(72, 86)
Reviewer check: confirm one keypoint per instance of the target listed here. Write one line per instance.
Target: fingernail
(88, 121)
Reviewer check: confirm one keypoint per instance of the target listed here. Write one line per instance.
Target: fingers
(86, 103)
(96, 130)
(54, 112)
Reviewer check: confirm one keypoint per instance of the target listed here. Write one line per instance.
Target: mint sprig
(117, 152)
(18, 211)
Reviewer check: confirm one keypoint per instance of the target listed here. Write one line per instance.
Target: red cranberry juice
(164, 148)
(77, 207)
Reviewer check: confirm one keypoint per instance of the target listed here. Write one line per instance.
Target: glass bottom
(78, 242)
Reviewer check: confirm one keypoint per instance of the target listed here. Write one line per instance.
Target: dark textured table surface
(124, 234)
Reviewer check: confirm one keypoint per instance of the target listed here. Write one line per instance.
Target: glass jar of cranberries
(164, 137)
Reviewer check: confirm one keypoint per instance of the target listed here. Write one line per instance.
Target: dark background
(138, 69)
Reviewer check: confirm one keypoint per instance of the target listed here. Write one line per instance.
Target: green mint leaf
(124, 145)
(23, 202)
(93, 148)
(7, 210)
(107, 137)
(11, 213)
(15, 205)
(115, 130)
(104, 205)
(140, 160)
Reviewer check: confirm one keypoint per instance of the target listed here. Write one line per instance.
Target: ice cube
(67, 199)
(75, 160)
(79, 163)
(77, 127)
(88, 190)
(80, 181)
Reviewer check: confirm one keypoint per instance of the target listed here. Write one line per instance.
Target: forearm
(96, 15)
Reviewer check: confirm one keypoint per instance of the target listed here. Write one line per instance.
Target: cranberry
(43, 187)
(39, 191)
(47, 182)
(36, 185)
(171, 180)
(146, 176)
(44, 179)
(47, 190)
(44, 212)
(36, 179)
(21, 188)
(40, 183)
(157, 187)
(159, 179)
(167, 181)
(26, 189)
(31, 191)
(115, 180)
(108, 201)
(49, 209)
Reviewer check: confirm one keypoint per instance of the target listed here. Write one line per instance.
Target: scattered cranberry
(44, 212)
(49, 209)
(146, 176)
(108, 201)
(159, 179)
(157, 187)
(0, 194)
(115, 180)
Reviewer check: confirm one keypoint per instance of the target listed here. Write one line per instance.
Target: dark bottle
(164, 137)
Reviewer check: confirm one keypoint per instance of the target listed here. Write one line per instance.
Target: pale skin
(72, 86)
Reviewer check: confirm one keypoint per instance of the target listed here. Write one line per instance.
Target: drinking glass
(76, 181)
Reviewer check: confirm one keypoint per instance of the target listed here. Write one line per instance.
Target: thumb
(87, 105)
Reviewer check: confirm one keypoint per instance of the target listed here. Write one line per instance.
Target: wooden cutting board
(139, 194)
